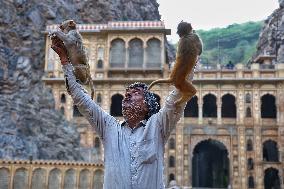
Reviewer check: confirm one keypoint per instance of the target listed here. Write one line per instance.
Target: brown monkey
(189, 48)
(73, 42)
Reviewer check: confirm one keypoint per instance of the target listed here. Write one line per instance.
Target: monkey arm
(96, 116)
(169, 114)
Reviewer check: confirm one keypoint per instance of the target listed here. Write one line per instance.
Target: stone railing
(23, 174)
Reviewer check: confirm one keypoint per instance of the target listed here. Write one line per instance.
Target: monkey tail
(159, 81)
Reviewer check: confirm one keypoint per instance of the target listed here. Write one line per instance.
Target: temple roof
(117, 25)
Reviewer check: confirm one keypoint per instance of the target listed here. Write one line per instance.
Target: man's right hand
(58, 46)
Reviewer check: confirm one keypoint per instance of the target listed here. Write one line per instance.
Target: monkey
(189, 49)
(77, 54)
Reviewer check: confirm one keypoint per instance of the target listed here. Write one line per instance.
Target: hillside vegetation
(236, 43)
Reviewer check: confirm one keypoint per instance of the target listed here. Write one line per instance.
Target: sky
(208, 14)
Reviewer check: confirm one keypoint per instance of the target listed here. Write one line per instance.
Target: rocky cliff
(272, 35)
(29, 125)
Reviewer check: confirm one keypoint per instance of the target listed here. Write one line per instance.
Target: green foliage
(235, 43)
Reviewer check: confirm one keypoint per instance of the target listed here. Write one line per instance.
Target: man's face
(133, 103)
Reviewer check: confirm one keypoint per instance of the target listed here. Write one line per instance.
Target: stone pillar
(242, 157)
(219, 110)
(240, 105)
(200, 111)
(163, 61)
(240, 68)
(126, 55)
(280, 69)
(179, 153)
(257, 144)
(144, 55)
(280, 105)
(255, 70)
(256, 104)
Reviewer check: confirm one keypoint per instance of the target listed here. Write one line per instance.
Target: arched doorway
(210, 165)
(271, 179)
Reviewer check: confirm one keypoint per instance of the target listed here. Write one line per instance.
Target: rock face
(29, 125)
(272, 35)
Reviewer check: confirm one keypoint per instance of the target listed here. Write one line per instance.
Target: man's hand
(58, 46)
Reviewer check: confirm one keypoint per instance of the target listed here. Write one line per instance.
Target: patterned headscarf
(149, 97)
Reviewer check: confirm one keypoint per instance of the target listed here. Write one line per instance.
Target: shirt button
(133, 158)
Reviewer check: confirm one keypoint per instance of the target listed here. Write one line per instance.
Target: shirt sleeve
(170, 114)
(96, 116)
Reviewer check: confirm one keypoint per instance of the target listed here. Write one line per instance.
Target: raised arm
(170, 114)
(91, 111)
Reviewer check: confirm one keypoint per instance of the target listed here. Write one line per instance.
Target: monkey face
(67, 25)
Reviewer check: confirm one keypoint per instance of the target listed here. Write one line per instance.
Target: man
(134, 150)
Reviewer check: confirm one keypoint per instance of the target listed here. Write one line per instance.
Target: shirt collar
(141, 123)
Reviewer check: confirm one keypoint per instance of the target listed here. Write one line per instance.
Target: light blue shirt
(133, 158)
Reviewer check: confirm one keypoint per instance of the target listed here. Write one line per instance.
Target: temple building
(232, 131)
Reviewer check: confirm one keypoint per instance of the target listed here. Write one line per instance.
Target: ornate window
(209, 106)
(153, 53)
(117, 53)
(136, 53)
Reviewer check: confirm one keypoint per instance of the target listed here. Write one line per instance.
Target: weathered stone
(271, 36)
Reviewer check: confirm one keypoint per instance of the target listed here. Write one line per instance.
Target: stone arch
(54, 178)
(117, 54)
(70, 179)
(153, 53)
(196, 140)
(209, 106)
(191, 108)
(38, 178)
(135, 53)
(268, 106)
(271, 179)
(228, 106)
(210, 159)
(270, 151)
(98, 179)
(20, 179)
(4, 178)
(116, 105)
(84, 179)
